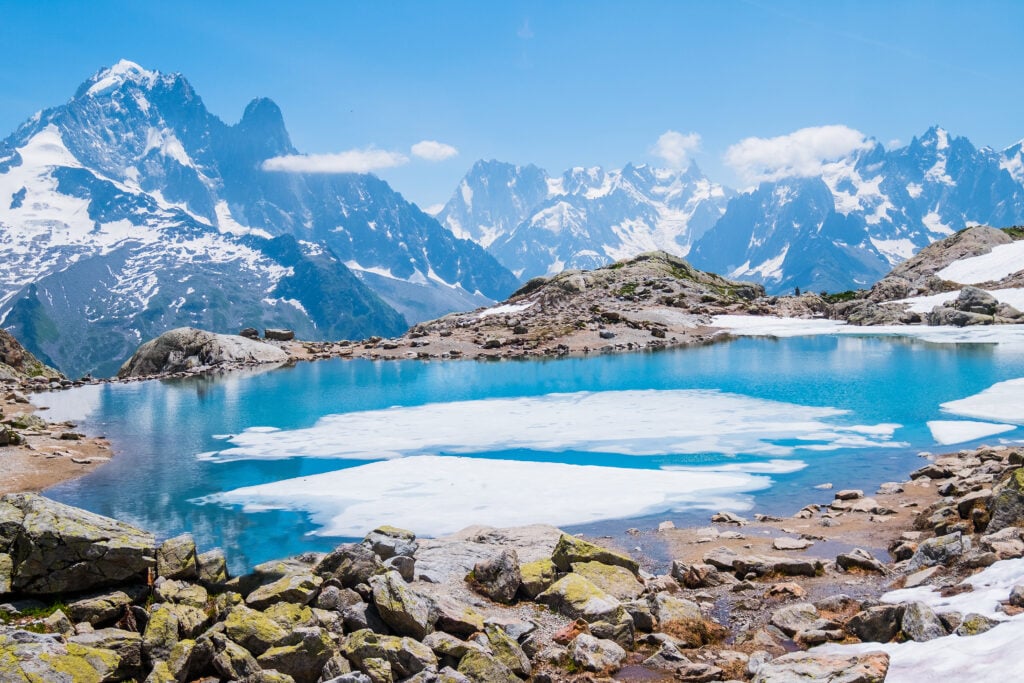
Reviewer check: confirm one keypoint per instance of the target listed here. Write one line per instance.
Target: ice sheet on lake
(990, 656)
(1002, 401)
(647, 422)
(435, 495)
(958, 431)
(1009, 336)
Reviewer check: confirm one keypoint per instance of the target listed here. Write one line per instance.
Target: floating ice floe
(948, 432)
(1002, 401)
(436, 495)
(647, 422)
(990, 656)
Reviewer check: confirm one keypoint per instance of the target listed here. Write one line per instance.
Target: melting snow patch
(1003, 260)
(948, 432)
(504, 309)
(437, 495)
(638, 423)
(1001, 401)
(990, 656)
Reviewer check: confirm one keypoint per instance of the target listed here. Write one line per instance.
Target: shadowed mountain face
(131, 210)
(842, 229)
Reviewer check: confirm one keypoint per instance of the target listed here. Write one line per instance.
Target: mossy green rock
(288, 615)
(298, 588)
(537, 577)
(507, 651)
(56, 548)
(161, 673)
(126, 644)
(161, 634)
(406, 656)
(378, 670)
(571, 549)
(974, 624)
(38, 658)
(407, 612)
(617, 581)
(577, 598)
(303, 660)
(481, 667)
(254, 630)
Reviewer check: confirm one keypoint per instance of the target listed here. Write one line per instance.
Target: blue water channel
(158, 428)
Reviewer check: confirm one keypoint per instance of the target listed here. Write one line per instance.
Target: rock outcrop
(16, 363)
(187, 348)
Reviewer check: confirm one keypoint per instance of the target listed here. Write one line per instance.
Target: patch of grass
(838, 297)
(1016, 232)
(627, 289)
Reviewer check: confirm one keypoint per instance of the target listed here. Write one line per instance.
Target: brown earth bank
(86, 598)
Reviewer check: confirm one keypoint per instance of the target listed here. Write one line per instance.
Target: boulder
(791, 619)
(617, 581)
(506, 650)
(249, 333)
(31, 657)
(127, 645)
(182, 593)
(974, 624)
(942, 550)
(278, 335)
(593, 654)
(351, 564)
(231, 660)
(1007, 504)
(481, 667)
(186, 348)
(669, 658)
(920, 623)
(876, 624)
(161, 634)
(407, 612)
(499, 577)
(388, 541)
(974, 300)
(176, 558)
(303, 660)
(571, 549)
(62, 549)
(297, 588)
(536, 577)
(870, 667)
(254, 630)
(859, 558)
(578, 598)
(99, 608)
(405, 656)
(212, 567)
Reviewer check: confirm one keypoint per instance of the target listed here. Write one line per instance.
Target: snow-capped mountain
(535, 224)
(864, 214)
(131, 209)
(841, 229)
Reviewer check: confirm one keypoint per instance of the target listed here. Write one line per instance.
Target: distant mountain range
(842, 229)
(131, 209)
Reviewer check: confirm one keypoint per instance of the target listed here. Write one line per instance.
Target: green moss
(1016, 232)
(627, 289)
(838, 297)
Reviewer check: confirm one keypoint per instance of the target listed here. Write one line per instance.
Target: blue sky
(558, 84)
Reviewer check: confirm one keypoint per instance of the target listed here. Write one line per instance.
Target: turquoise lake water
(158, 429)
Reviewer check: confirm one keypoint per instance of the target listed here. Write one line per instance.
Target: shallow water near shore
(267, 464)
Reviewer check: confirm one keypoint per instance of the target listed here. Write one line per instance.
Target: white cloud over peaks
(675, 148)
(432, 150)
(350, 161)
(801, 153)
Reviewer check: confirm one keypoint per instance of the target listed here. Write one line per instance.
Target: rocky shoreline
(87, 598)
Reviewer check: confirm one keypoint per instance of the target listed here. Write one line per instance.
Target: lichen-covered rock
(577, 598)
(1007, 503)
(870, 667)
(507, 651)
(351, 564)
(499, 577)
(669, 658)
(27, 657)
(182, 593)
(303, 660)
(231, 660)
(126, 644)
(481, 667)
(100, 608)
(920, 623)
(406, 656)
(571, 549)
(536, 577)
(298, 588)
(161, 634)
(798, 616)
(403, 609)
(212, 567)
(186, 348)
(63, 549)
(595, 655)
(388, 541)
(456, 617)
(939, 550)
(876, 624)
(974, 624)
(176, 558)
(254, 631)
(617, 581)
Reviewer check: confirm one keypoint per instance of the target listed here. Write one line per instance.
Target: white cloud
(432, 150)
(675, 148)
(801, 153)
(350, 161)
